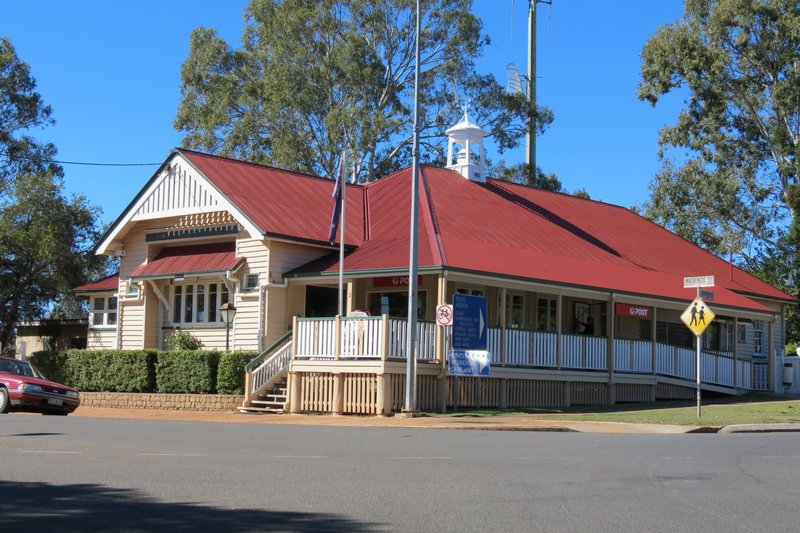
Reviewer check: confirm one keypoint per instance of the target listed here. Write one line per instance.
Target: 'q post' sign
(468, 356)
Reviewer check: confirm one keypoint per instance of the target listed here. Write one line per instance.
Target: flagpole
(411, 352)
(341, 235)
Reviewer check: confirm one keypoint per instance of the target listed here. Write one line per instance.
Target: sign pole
(697, 320)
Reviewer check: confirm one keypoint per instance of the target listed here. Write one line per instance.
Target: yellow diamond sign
(697, 316)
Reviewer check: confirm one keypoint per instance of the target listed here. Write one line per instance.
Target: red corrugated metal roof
(279, 202)
(198, 258)
(109, 283)
(495, 228)
(528, 233)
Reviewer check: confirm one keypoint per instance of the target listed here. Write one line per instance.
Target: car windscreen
(17, 368)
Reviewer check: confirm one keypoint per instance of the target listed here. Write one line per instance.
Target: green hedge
(187, 371)
(182, 371)
(52, 364)
(230, 375)
(111, 370)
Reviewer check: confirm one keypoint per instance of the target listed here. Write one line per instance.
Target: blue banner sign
(469, 363)
(469, 322)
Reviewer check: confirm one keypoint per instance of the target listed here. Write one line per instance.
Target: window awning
(194, 259)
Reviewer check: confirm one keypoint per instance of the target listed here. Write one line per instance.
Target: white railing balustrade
(716, 368)
(367, 337)
(494, 344)
(398, 338)
(744, 374)
(271, 367)
(361, 337)
(633, 356)
(584, 352)
(760, 375)
(315, 338)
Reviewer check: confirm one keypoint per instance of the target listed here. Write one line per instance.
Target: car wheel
(4, 404)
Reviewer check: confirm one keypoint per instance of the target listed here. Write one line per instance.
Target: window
(515, 310)
(742, 334)
(758, 336)
(546, 314)
(104, 311)
(395, 304)
(250, 282)
(198, 303)
(726, 337)
(469, 291)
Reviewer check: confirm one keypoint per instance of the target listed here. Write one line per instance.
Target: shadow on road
(46, 507)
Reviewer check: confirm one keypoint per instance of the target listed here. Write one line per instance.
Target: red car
(23, 388)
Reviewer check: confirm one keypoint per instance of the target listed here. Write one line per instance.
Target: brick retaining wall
(179, 402)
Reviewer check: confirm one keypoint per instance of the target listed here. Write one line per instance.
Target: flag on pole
(337, 206)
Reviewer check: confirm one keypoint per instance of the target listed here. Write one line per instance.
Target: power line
(83, 163)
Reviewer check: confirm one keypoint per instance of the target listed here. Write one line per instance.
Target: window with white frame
(726, 337)
(104, 311)
(546, 314)
(758, 336)
(198, 303)
(515, 310)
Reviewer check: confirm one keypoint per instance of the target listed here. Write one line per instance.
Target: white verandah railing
(385, 338)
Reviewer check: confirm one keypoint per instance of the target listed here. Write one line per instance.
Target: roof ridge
(431, 218)
(261, 166)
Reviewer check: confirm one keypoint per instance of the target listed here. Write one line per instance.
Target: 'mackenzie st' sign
(634, 311)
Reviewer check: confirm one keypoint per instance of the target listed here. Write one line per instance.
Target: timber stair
(272, 400)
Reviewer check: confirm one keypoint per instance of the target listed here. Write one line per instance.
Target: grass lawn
(755, 408)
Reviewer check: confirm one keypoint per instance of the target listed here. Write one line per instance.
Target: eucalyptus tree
(44, 235)
(313, 77)
(729, 179)
(21, 111)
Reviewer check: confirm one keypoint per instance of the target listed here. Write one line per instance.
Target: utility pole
(530, 140)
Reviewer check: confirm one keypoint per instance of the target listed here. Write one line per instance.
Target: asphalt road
(91, 474)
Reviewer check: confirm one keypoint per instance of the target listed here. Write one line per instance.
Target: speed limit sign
(444, 315)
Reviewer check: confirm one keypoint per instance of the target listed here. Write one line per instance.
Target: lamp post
(227, 311)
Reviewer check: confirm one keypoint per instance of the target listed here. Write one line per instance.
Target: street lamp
(227, 311)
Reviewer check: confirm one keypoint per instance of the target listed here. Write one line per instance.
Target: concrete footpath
(495, 423)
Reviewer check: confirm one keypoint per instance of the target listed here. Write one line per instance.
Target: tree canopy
(44, 236)
(730, 163)
(312, 78)
(21, 110)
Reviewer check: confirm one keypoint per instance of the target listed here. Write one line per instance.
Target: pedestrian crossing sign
(697, 316)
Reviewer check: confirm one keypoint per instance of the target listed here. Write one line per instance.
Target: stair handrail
(270, 369)
(263, 355)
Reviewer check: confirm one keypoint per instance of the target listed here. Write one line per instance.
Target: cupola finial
(470, 158)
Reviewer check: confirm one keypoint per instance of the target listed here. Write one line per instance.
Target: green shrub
(183, 340)
(230, 376)
(111, 370)
(52, 365)
(187, 371)
(791, 348)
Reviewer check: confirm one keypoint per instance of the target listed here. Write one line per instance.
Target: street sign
(698, 281)
(444, 315)
(469, 363)
(706, 295)
(697, 316)
(469, 322)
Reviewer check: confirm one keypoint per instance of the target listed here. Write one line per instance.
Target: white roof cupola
(470, 157)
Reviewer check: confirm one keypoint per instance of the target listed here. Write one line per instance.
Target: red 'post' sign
(634, 311)
(393, 281)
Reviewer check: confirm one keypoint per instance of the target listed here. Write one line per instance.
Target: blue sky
(111, 72)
